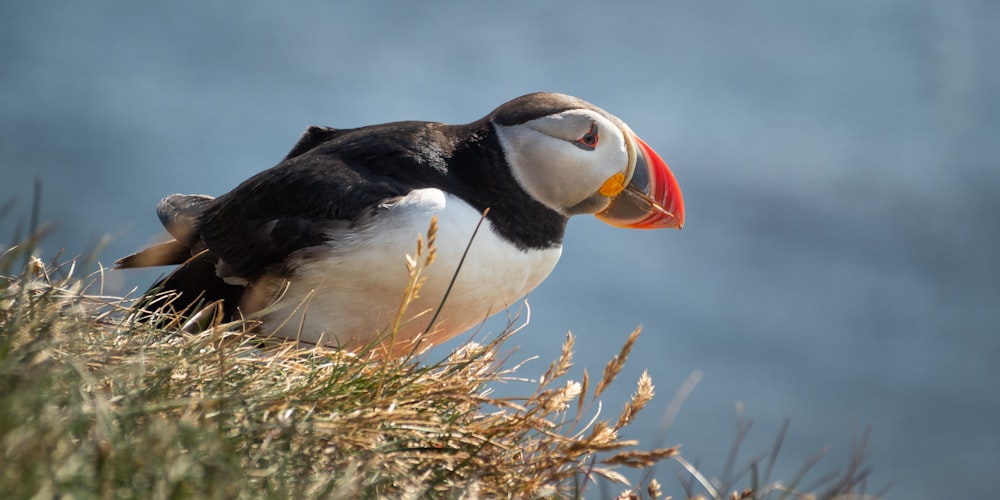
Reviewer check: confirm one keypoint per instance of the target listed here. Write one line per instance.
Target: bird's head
(576, 158)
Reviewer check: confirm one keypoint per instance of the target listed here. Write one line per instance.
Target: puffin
(320, 249)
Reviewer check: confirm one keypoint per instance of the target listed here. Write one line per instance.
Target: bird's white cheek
(529, 157)
(609, 159)
(576, 175)
(554, 171)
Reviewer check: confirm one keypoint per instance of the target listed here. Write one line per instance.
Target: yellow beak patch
(614, 185)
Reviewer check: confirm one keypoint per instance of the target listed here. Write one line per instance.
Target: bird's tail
(194, 282)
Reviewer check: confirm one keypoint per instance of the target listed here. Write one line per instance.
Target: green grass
(96, 405)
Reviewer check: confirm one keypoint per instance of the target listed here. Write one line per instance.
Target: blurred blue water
(838, 160)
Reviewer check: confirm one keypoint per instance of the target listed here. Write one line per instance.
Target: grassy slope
(94, 405)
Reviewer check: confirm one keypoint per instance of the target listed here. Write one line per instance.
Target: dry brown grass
(96, 404)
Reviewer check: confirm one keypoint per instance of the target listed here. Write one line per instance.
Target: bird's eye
(589, 140)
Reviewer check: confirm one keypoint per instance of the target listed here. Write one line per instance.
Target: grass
(96, 405)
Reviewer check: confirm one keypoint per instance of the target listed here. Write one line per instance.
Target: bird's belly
(352, 295)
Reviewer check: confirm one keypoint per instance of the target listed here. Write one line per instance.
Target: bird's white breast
(349, 294)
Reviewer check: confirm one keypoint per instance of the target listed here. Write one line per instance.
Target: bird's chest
(355, 293)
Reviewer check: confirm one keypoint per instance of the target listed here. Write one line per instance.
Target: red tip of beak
(664, 191)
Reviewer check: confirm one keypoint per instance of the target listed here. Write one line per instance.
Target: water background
(839, 162)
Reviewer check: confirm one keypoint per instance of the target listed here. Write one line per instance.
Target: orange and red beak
(651, 199)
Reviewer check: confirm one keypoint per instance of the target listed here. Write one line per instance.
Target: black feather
(312, 137)
(179, 214)
(195, 283)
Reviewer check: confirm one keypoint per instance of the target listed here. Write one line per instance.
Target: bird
(317, 247)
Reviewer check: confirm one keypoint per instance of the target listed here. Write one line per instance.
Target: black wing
(312, 137)
(179, 214)
(331, 181)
